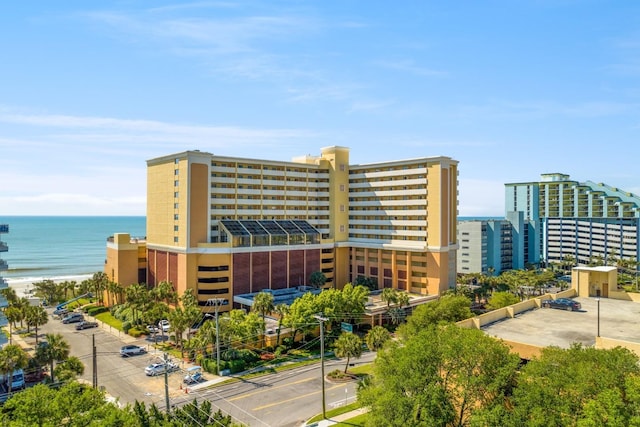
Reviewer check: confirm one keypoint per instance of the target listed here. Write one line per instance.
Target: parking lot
(547, 326)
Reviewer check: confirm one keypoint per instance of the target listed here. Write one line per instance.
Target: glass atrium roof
(270, 232)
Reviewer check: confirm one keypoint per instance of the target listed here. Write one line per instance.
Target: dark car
(86, 325)
(562, 303)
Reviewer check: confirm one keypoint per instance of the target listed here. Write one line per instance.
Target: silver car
(132, 350)
(159, 368)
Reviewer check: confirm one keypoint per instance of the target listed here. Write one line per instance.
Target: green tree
(49, 290)
(579, 386)
(36, 316)
(348, 345)
(502, 299)
(417, 382)
(317, 279)
(376, 338)
(164, 292)
(57, 350)
(12, 358)
(300, 317)
(69, 369)
(448, 308)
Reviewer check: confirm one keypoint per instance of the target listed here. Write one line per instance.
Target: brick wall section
(260, 273)
(296, 269)
(173, 269)
(151, 267)
(312, 262)
(241, 274)
(278, 270)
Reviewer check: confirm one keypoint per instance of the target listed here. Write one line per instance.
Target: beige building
(225, 226)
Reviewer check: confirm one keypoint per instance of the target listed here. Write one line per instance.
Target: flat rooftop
(547, 326)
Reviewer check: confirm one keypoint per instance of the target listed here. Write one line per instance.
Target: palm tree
(13, 315)
(69, 369)
(57, 350)
(281, 310)
(136, 295)
(36, 316)
(263, 304)
(164, 292)
(99, 283)
(12, 358)
(348, 345)
(376, 337)
(179, 323)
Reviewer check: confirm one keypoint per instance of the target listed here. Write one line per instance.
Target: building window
(176, 172)
(341, 208)
(341, 187)
(342, 167)
(175, 206)
(175, 194)
(175, 217)
(175, 228)
(342, 228)
(175, 239)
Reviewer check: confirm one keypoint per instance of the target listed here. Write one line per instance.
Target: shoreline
(23, 285)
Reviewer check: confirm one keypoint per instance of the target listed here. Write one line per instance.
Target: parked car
(194, 375)
(159, 368)
(86, 325)
(132, 350)
(562, 303)
(60, 311)
(73, 318)
(153, 329)
(164, 325)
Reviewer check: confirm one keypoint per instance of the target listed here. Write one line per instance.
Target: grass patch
(335, 412)
(107, 318)
(358, 421)
(362, 370)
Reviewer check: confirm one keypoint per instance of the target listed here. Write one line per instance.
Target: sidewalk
(338, 418)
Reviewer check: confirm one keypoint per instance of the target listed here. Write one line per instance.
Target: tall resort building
(225, 226)
(566, 219)
(4, 228)
(485, 246)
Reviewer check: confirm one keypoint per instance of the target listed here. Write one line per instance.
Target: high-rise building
(485, 246)
(580, 221)
(224, 226)
(4, 228)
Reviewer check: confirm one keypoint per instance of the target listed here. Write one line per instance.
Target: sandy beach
(24, 286)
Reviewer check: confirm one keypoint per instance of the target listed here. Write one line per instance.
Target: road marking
(272, 388)
(293, 398)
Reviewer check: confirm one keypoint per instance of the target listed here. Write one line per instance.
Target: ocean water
(61, 247)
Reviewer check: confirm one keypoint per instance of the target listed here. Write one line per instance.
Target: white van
(17, 380)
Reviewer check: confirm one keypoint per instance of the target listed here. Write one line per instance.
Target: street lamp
(322, 319)
(217, 302)
(598, 301)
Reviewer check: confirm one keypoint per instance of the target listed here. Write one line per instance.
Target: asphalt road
(284, 399)
(123, 378)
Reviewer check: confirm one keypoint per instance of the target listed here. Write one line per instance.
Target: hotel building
(226, 226)
(580, 220)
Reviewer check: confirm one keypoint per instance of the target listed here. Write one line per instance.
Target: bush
(88, 307)
(236, 366)
(93, 311)
(126, 325)
(135, 332)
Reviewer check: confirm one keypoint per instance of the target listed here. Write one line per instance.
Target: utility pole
(94, 362)
(166, 383)
(321, 320)
(217, 302)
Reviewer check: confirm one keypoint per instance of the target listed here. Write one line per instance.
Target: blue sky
(91, 90)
